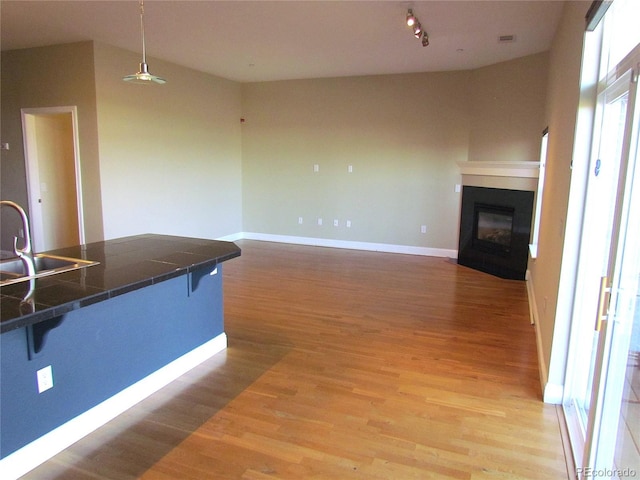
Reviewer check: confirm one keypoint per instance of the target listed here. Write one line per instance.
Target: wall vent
(506, 38)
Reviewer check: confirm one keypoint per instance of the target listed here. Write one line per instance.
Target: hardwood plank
(345, 364)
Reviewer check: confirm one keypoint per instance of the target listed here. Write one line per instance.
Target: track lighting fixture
(143, 76)
(416, 26)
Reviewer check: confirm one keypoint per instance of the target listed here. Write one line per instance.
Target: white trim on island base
(39, 451)
(346, 244)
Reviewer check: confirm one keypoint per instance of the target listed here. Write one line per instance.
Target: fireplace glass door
(493, 228)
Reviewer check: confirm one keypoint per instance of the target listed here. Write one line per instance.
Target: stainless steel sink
(13, 271)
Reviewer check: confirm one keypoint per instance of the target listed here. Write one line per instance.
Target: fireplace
(495, 229)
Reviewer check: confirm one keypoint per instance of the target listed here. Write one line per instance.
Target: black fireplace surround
(495, 229)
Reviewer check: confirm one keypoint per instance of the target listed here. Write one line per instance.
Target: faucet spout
(26, 252)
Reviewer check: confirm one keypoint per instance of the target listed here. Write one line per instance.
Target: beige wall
(562, 106)
(403, 134)
(61, 75)
(163, 160)
(170, 155)
(507, 106)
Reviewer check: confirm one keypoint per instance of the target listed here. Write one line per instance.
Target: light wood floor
(345, 365)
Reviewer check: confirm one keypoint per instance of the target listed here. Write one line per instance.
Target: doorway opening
(54, 181)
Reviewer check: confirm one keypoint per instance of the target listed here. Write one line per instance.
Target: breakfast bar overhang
(119, 330)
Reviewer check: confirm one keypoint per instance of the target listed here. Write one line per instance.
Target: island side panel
(99, 350)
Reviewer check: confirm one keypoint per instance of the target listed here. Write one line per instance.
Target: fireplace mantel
(508, 175)
(501, 169)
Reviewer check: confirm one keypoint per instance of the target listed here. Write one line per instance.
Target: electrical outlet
(336, 223)
(423, 229)
(45, 379)
(319, 221)
(350, 169)
(316, 168)
(299, 220)
(348, 224)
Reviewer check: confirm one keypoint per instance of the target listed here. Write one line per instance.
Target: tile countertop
(126, 264)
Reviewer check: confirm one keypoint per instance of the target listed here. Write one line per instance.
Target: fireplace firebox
(495, 228)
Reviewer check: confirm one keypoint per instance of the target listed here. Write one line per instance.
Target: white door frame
(33, 177)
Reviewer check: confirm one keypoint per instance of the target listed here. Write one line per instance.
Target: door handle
(603, 302)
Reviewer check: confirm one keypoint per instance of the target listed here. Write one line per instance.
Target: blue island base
(104, 358)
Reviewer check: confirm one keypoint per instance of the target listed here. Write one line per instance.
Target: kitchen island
(80, 347)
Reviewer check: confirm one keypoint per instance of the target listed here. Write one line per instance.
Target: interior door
(606, 404)
(53, 178)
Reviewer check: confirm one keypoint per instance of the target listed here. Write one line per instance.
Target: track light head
(417, 29)
(425, 39)
(411, 19)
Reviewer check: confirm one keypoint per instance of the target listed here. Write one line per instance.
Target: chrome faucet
(25, 253)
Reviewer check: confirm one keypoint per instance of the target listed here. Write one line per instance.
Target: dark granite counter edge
(55, 311)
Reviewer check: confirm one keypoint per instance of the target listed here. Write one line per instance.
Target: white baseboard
(346, 244)
(551, 393)
(231, 238)
(533, 309)
(37, 452)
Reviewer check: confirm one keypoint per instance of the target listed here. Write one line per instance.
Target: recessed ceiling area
(250, 41)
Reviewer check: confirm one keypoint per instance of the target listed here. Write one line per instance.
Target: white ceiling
(275, 40)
